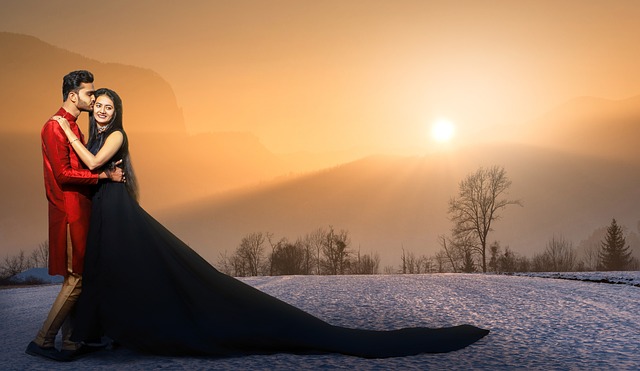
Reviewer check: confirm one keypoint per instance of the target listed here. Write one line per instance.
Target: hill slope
(387, 203)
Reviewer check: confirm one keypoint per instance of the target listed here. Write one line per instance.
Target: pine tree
(615, 254)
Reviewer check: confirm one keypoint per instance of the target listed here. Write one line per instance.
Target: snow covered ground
(535, 323)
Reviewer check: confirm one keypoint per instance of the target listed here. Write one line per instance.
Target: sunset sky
(333, 75)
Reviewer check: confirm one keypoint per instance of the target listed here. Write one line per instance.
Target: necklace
(102, 129)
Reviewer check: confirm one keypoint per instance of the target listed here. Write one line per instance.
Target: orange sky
(331, 75)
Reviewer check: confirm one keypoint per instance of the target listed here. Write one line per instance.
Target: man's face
(84, 98)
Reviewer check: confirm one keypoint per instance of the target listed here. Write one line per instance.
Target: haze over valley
(301, 127)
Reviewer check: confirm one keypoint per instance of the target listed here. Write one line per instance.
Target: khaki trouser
(59, 314)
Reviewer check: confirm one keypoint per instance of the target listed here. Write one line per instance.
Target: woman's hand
(64, 124)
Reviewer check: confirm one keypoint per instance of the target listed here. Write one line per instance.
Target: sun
(442, 130)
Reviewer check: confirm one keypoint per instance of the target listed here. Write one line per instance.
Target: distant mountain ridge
(172, 166)
(574, 173)
(590, 125)
(31, 72)
(392, 202)
(166, 157)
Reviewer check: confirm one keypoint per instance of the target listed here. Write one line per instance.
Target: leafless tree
(441, 260)
(559, 255)
(415, 264)
(523, 264)
(335, 249)
(427, 264)
(224, 264)
(365, 264)
(314, 242)
(40, 256)
(309, 255)
(389, 269)
(250, 253)
(591, 256)
(408, 262)
(451, 251)
(477, 206)
(14, 264)
(288, 258)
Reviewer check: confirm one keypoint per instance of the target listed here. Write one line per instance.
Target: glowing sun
(442, 130)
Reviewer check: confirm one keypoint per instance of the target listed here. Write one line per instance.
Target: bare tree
(559, 255)
(12, 265)
(417, 264)
(288, 258)
(441, 260)
(309, 255)
(478, 205)
(410, 263)
(39, 257)
(449, 252)
(523, 264)
(335, 249)
(589, 249)
(389, 269)
(314, 242)
(15, 264)
(239, 266)
(250, 254)
(224, 264)
(459, 251)
(591, 257)
(365, 264)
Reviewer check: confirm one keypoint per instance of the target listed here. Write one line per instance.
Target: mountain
(575, 168)
(589, 125)
(172, 166)
(31, 72)
(389, 203)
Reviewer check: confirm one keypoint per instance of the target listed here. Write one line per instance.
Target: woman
(147, 290)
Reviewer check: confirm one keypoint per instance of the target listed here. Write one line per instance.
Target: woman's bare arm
(111, 146)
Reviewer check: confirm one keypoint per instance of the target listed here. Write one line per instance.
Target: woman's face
(103, 110)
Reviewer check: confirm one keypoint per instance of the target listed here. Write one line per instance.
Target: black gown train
(147, 290)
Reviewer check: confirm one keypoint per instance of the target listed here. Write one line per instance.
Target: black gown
(147, 290)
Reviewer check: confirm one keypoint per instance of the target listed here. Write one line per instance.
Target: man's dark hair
(73, 80)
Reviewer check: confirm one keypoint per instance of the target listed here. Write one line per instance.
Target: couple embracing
(130, 280)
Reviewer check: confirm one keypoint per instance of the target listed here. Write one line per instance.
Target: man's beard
(84, 106)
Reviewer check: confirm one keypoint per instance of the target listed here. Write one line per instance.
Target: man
(68, 185)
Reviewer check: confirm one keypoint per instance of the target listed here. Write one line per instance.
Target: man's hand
(117, 175)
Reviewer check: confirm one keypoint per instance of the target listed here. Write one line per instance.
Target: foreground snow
(535, 323)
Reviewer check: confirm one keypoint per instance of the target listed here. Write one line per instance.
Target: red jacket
(68, 184)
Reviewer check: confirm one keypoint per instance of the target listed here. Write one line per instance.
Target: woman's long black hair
(96, 141)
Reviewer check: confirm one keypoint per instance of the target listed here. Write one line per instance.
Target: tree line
(324, 251)
(481, 198)
(612, 253)
(14, 264)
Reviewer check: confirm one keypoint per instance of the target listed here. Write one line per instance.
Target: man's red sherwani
(68, 184)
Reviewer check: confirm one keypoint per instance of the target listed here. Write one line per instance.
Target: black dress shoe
(52, 353)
